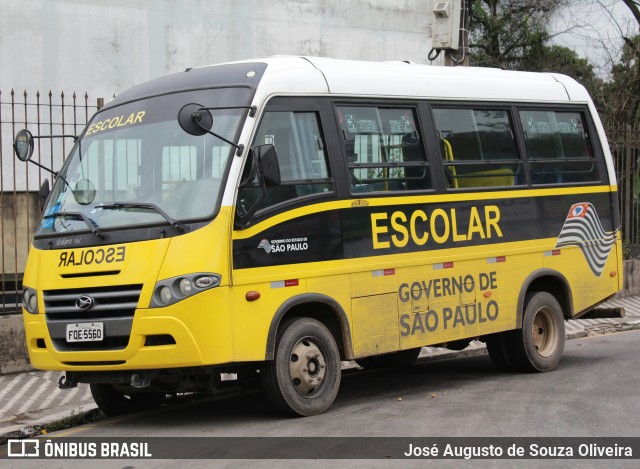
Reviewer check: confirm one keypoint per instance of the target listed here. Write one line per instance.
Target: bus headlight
(185, 286)
(164, 295)
(30, 300)
(172, 290)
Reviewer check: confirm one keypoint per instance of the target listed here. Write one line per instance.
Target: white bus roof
(299, 75)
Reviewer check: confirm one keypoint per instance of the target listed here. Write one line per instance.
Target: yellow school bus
(262, 221)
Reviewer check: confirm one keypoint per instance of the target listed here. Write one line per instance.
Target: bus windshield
(135, 166)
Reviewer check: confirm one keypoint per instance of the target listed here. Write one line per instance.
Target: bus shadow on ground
(455, 379)
(357, 387)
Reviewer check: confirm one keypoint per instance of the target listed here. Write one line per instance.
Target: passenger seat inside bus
(498, 177)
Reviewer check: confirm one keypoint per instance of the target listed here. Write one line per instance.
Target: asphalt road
(593, 393)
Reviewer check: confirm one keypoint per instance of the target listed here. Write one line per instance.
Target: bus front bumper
(189, 333)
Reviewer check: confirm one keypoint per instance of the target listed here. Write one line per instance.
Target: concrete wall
(631, 278)
(13, 349)
(19, 217)
(106, 46)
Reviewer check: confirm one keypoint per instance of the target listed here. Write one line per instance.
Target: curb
(32, 429)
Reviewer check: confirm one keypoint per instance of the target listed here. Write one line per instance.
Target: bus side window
(558, 147)
(304, 169)
(383, 149)
(478, 148)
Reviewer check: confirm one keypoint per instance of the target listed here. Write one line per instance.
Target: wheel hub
(544, 332)
(307, 367)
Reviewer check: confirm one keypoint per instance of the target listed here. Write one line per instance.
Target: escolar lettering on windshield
(114, 122)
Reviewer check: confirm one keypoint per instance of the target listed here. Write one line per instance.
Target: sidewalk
(31, 400)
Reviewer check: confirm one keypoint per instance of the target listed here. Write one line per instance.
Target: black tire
(499, 351)
(113, 402)
(538, 346)
(304, 377)
(400, 359)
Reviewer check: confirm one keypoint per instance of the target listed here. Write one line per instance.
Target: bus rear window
(558, 147)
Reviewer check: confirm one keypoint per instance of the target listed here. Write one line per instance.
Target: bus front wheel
(538, 346)
(113, 402)
(304, 377)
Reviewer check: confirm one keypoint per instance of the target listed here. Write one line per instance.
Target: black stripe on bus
(370, 231)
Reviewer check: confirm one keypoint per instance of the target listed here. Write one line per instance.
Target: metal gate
(19, 182)
(625, 147)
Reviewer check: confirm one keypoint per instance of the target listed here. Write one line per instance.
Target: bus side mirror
(194, 119)
(268, 164)
(23, 145)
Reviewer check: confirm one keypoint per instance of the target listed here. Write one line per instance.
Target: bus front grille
(114, 307)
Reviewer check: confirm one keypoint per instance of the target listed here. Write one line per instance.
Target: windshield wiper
(145, 205)
(79, 215)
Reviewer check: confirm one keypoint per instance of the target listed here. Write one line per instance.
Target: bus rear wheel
(539, 345)
(304, 377)
(113, 402)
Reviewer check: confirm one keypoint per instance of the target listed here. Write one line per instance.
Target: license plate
(85, 332)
